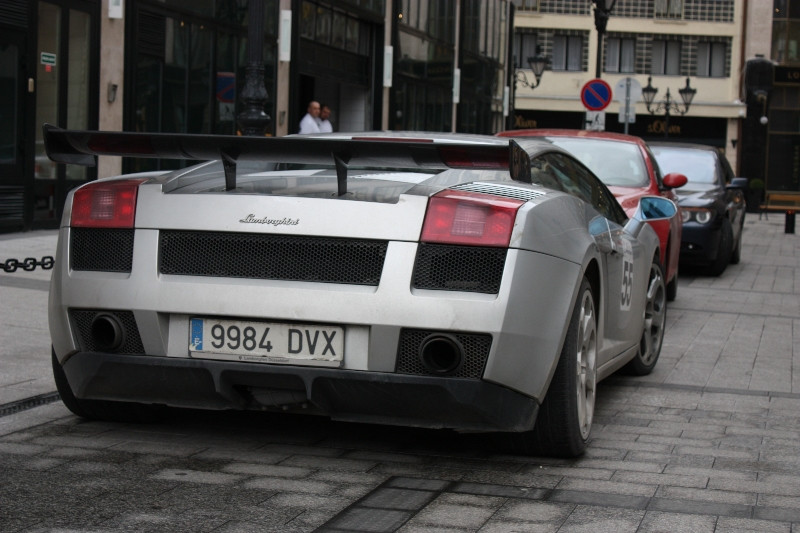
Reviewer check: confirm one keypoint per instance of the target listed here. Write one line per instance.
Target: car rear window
(697, 165)
(615, 163)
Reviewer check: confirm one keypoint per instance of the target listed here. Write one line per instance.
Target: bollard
(788, 226)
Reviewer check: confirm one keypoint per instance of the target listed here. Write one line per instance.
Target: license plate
(267, 342)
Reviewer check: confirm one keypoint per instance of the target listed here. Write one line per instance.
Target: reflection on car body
(476, 299)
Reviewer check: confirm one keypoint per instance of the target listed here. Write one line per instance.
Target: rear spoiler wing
(80, 148)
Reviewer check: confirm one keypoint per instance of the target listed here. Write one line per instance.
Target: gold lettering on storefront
(521, 122)
(658, 126)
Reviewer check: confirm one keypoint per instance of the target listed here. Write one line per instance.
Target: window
(666, 58)
(620, 55)
(672, 9)
(527, 5)
(711, 59)
(567, 52)
(524, 47)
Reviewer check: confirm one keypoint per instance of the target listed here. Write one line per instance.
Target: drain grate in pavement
(28, 403)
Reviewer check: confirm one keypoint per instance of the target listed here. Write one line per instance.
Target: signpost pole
(627, 102)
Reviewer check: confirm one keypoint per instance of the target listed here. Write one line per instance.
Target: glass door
(65, 96)
(12, 116)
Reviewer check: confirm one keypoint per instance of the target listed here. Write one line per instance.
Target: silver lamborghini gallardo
(431, 280)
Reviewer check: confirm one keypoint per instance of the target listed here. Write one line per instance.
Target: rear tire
(655, 318)
(565, 416)
(101, 409)
(725, 249)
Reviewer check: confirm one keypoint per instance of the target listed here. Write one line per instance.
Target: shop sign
(657, 127)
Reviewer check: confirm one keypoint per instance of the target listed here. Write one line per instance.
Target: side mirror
(738, 183)
(673, 180)
(655, 208)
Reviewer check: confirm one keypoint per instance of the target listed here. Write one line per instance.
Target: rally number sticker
(627, 276)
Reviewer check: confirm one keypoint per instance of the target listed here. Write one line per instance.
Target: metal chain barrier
(28, 265)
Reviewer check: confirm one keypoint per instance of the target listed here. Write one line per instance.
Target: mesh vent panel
(476, 351)
(101, 249)
(294, 258)
(82, 322)
(459, 268)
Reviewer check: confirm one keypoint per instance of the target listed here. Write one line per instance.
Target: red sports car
(626, 165)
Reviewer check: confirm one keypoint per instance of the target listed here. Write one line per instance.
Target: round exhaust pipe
(107, 332)
(441, 354)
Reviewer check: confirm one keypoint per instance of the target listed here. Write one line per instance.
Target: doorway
(65, 95)
(12, 97)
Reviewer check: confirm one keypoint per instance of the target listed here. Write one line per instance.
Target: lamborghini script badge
(251, 219)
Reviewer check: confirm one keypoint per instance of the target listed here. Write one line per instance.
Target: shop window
(326, 26)
(567, 52)
(711, 59)
(620, 55)
(666, 58)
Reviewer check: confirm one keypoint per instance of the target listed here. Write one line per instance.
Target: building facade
(771, 131)
(179, 66)
(661, 42)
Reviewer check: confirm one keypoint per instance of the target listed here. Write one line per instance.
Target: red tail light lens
(460, 217)
(106, 204)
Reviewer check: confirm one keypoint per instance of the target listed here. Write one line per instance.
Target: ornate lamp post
(667, 105)
(537, 63)
(602, 10)
(253, 120)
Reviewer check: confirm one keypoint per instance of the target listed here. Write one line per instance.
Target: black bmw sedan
(712, 204)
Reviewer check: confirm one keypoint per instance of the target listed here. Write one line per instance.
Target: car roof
(683, 146)
(564, 132)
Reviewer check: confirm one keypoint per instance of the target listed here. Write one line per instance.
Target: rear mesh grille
(101, 249)
(278, 257)
(82, 323)
(476, 351)
(459, 268)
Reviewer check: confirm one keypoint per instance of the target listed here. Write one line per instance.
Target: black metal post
(666, 114)
(253, 120)
(601, 15)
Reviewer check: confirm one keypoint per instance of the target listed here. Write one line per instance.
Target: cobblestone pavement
(709, 442)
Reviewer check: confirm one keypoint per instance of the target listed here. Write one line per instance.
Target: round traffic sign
(596, 95)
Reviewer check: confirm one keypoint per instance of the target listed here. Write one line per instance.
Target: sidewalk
(24, 336)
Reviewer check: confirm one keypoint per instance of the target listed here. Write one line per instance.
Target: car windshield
(697, 165)
(615, 163)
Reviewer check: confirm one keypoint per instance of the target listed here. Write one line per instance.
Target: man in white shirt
(325, 125)
(309, 122)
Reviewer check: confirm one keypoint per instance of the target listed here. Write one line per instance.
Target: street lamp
(667, 105)
(602, 10)
(537, 64)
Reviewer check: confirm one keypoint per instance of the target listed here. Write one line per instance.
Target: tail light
(105, 204)
(460, 217)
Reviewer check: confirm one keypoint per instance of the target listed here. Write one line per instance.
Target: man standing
(309, 122)
(325, 125)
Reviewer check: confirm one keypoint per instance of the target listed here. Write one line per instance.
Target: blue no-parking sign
(596, 95)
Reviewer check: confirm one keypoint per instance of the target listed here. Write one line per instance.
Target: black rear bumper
(348, 395)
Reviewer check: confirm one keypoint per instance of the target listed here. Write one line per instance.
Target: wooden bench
(784, 201)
